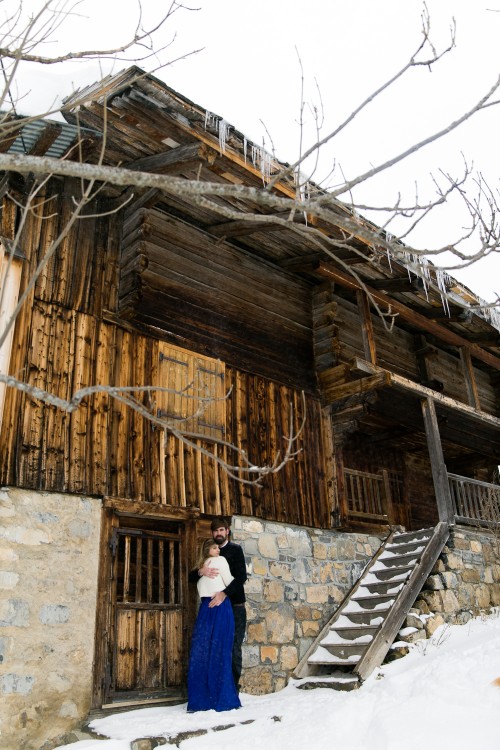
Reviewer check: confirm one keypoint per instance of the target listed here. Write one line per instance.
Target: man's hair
(218, 522)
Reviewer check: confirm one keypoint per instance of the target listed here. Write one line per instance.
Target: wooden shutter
(196, 401)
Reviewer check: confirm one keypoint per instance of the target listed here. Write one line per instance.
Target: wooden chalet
(249, 306)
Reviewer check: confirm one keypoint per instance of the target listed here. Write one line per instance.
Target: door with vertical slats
(148, 614)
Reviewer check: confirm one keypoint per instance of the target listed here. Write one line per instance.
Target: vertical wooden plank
(138, 568)
(369, 347)
(173, 656)
(469, 378)
(438, 468)
(150, 571)
(126, 569)
(172, 572)
(161, 571)
(126, 649)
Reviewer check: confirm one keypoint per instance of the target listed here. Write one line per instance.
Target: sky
(441, 695)
(255, 58)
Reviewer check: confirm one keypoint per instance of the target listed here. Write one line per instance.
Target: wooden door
(146, 658)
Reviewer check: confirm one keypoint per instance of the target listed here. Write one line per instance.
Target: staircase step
(380, 588)
(336, 637)
(411, 536)
(323, 656)
(405, 549)
(355, 631)
(360, 617)
(394, 561)
(373, 602)
(334, 681)
(390, 574)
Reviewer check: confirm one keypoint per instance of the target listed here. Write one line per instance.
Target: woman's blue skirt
(210, 676)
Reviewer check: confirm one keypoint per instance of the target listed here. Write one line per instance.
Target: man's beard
(219, 539)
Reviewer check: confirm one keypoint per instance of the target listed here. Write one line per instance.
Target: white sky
(249, 73)
(439, 696)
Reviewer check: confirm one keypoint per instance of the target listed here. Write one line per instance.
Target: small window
(196, 400)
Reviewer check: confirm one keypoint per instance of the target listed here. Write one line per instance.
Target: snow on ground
(440, 695)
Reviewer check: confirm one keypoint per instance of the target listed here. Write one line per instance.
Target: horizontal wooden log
(172, 161)
(414, 318)
(355, 387)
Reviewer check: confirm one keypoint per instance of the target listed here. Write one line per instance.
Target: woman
(210, 677)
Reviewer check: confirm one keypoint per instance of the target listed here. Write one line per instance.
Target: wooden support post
(366, 327)
(389, 508)
(438, 468)
(470, 379)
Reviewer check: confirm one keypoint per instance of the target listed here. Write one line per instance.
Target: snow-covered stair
(361, 631)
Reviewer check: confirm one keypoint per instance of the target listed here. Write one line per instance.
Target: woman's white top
(209, 586)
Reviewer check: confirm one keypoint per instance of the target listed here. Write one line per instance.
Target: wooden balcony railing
(368, 496)
(475, 502)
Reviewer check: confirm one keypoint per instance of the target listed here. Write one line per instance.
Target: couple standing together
(215, 659)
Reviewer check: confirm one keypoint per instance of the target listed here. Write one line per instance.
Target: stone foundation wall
(466, 578)
(49, 553)
(298, 578)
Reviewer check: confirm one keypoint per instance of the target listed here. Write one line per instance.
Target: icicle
(443, 280)
(388, 237)
(210, 119)
(245, 144)
(263, 161)
(223, 129)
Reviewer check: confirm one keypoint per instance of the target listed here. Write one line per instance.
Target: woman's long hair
(203, 553)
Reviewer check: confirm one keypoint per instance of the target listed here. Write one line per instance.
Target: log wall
(223, 301)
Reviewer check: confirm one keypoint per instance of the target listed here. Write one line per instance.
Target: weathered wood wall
(68, 336)
(220, 299)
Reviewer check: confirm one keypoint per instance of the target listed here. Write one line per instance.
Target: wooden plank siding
(106, 448)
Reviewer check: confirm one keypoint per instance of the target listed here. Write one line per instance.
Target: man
(235, 591)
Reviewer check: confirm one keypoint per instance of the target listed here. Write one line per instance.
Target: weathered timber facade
(239, 327)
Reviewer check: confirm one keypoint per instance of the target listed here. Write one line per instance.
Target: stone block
(310, 628)
(434, 583)
(281, 570)
(483, 596)
(488, 575)
(288, 657)
(470, 575)
(326, 573)
(54, 614)
(282, 541)
(300, 573)
(439, 566)
(257, 680)
(280, 626)
(317, 594)
(453, 561)
(259, 566)
(291, 593)
(422, 606)
(466, 595)
(495, 570)
(476, 546)
(269, 654)
(432, 623)
(450, 580)
(335, 594)
(413, 621)
(8, 580)
(14, 612)
(251, 655)
(303, 613)
(16, 683)
(273, 591)
(319, 551)
(252, 526)
(268, 546)
(495, 594)
(257, 632)
(253, 587)
(300, 543)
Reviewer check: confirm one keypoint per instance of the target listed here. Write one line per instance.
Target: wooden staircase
(357, 638)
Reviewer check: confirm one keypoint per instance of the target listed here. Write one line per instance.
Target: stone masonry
(298, 577)
(49, 553)
(466, 579)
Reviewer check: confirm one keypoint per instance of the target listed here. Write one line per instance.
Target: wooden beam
(369, 347)
(172, 161)
(398, 381)
(354, 387)
(438, 467)
(401, 284)
(240, 227)
(470, 378)
(150, 510)
(46, 138)
(412, 317)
